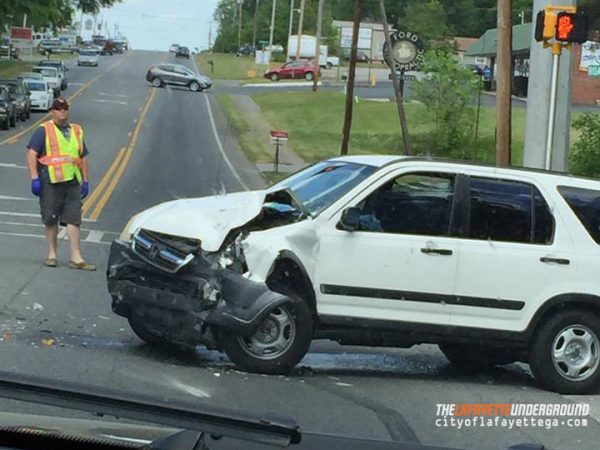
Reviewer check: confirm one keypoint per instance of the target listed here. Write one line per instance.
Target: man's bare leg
(52, 240)
(74, 242)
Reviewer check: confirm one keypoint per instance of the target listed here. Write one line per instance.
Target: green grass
(314, 123)
(253, 145)
(227, 66)
(9, 69)
(271, 177)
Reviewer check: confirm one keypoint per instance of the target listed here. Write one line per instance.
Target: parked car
(51, 76)
(292, 69)
(62, 71)
(123, 43)
(8, 110)
(378, 251)
(20, 94)
(182, 52)
(118, 48)
(173, 48)
(42, 95)
(178, 75)
(30, 76)
(9, 51)
(88, 58)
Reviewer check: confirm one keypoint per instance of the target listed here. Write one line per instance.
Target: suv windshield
(36, 86)
(322, 184)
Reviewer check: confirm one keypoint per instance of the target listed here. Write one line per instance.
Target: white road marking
(41, 225)
(10, 197)
(113, 95)
(190, 389)
(10, 213)
(94, 236)
(101, 100)
(284, 84)
(38, 236)
(12, 166)
(76, 84)
(126, 439)
(219, 144)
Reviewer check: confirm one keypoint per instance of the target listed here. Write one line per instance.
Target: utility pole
(291, 24)
(503, 91)
(538, 102)
(272, 28)
(318, 47)
(254, 30)
(240, 2)
(351, 75)
(210, 36)
(397, 90)
(300, 24)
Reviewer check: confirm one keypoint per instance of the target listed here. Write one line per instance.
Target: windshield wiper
(268, 429)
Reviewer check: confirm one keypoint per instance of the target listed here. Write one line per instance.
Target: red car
(292, 69)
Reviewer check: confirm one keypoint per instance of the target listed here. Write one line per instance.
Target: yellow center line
(88, 203)
(119, 173)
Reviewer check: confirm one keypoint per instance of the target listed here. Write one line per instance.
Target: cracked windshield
(300, 223)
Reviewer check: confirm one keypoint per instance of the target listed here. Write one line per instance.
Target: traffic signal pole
(556, 51)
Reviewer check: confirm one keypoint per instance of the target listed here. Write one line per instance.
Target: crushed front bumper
(191, 305)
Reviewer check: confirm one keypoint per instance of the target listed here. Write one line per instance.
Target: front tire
(194, 86)
(156, 82)
(6, 124)
(309, 76)
(279, 343)
(142, 332)
(565, 353)
(13, 120)
(274, 77)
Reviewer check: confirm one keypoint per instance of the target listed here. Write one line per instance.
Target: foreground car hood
(208, 219)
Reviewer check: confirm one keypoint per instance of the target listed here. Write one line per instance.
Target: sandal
(82, 266)
(50, 262)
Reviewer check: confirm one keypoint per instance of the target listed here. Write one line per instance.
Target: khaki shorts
(61, 202)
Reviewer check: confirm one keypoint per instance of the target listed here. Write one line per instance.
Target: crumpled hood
(208, 219)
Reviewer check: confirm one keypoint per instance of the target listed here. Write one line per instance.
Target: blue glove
(85, 189)
(36, 187)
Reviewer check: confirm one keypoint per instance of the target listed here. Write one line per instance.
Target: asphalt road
(171, 143)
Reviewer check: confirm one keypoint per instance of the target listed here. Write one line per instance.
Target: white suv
(494, 265)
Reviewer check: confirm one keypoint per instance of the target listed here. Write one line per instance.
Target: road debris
(37, 307)
(48, 342)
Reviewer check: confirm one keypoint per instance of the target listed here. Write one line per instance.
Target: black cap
(60, 103)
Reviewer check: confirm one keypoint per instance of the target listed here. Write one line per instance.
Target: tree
(447, 92)
(585, 157)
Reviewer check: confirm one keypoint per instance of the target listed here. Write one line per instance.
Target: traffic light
(545, 25)
(571, 27)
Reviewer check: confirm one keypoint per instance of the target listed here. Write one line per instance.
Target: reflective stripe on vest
(63, 157)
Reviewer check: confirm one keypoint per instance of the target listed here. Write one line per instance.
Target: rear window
(585, 203)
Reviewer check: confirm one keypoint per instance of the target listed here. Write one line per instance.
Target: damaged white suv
(494, 265)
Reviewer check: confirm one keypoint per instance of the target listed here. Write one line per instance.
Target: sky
(156, 24)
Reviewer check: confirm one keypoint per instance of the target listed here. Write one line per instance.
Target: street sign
(364, 38)
(21, 33)
(279, 134)
(406, 52)
(594, 71)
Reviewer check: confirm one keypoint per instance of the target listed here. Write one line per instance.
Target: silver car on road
(179, 75)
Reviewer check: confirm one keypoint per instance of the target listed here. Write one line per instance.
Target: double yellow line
(107, 185)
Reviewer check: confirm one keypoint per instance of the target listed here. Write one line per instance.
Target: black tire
(13, 120)
(329, 65)
(156, 82)
(6, 124)
(552, 334)
(301, 332)
(194, 86)
(309, 76)
(28, 114)
(474, 358)
(274, 77)
(142, 332)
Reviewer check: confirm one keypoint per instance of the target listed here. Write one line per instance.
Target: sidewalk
(289, 161)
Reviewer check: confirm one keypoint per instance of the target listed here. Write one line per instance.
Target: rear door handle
(547, 259)
(436, 251)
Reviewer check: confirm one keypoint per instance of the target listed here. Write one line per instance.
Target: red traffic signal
(571, 27)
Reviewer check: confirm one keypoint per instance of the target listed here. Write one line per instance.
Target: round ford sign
(407, 51)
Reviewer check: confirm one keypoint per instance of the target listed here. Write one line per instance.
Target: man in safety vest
(58, 167)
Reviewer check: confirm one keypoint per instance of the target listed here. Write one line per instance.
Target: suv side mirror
(350, 220)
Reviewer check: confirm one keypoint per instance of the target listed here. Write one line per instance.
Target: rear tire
(6, 124)
(309, 76)
(329, 65)
(274, 77)
(565, 353)
(13, 120)
(283, 338)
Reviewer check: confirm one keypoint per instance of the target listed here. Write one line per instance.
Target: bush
(585, 155)
(448, 91)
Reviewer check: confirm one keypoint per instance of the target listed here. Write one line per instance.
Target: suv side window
(585, 203)
(417, 203)
(510, 211)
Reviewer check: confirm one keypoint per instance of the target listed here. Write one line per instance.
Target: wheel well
(289, 276)
(563, 303)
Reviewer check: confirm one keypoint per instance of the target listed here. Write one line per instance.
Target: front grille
(160, 252)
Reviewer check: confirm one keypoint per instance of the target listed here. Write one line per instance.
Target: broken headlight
(232, 256)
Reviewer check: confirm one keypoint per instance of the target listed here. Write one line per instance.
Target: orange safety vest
(62, 156)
